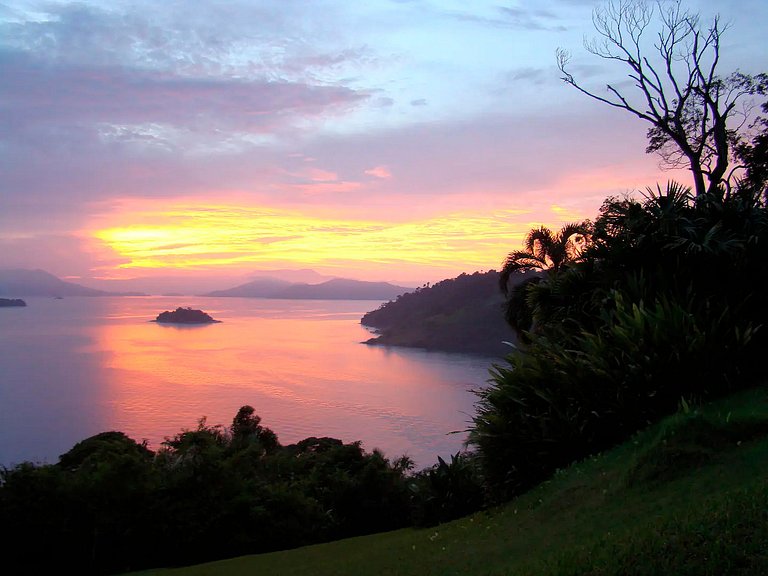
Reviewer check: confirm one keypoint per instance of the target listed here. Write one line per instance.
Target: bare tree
(695, 114)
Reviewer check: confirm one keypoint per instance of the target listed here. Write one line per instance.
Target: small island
(11, 302)
(184, 316)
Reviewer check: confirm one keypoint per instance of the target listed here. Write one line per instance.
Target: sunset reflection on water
(300, 364)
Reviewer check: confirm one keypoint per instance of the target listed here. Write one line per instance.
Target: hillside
(22, 282)
(335, 289)
(463, 314)
(687, 496)
(343, 289)
(259, 288)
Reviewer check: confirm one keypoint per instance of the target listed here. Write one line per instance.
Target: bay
(74, 367)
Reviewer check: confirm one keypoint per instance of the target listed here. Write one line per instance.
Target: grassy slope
(688, 496)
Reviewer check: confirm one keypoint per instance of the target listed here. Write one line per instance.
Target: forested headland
(463, 314)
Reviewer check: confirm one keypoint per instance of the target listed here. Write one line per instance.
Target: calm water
(74, 367)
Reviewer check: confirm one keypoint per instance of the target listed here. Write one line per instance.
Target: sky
(172, 144)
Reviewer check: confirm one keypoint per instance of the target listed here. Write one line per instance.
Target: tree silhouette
(543, 250)
(546, 250)
(695, 113)
(754, 155)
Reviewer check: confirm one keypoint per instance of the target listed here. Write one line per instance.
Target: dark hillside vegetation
(687, 496)
(463, 314)
(661, 302)
(666, 306)
(111, 504)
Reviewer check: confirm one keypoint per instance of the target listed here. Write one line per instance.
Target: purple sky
(398, 140)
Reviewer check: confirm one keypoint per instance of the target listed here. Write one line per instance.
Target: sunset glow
(208, 236)
(380, 140)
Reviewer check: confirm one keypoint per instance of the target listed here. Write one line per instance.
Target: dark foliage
(447, 490)
(754, 155)
(111, 505)
(463, 314)
(185, 316)
(667, 303)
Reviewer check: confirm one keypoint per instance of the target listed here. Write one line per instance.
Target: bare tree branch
(688, 104)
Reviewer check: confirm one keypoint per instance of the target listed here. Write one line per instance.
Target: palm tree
(545, 250)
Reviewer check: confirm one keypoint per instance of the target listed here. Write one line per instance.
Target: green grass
(687, 496)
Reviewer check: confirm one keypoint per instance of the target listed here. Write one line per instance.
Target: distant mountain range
(259, 288)
(336, 289)
(302, 276)
(22, 282)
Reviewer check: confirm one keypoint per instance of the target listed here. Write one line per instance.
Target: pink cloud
(380, 172)
(319, 175)
(36, 93)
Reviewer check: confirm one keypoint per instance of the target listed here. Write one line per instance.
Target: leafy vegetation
(111, 504)
(543, 250)
(665, 305)
(643, 508)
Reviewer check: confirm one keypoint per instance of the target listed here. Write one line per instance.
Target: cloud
(225, 236)
(207, 100)
(521, 18)
(319, 175)
(240, 37)
(324, 188)
(35, 93)
(536, 76)
(384, 102)
(59, 254)
(380, 172)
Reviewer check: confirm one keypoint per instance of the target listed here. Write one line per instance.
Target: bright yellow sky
(195, 235)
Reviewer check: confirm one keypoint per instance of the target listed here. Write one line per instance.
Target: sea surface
(73, 367)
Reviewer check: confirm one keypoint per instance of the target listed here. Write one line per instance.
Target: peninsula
(462, 314)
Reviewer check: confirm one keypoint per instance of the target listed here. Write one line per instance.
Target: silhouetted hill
(259, 288)
(342, 289)
(22, 282)
(336, 289)
(463, 314)
(301, 276)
